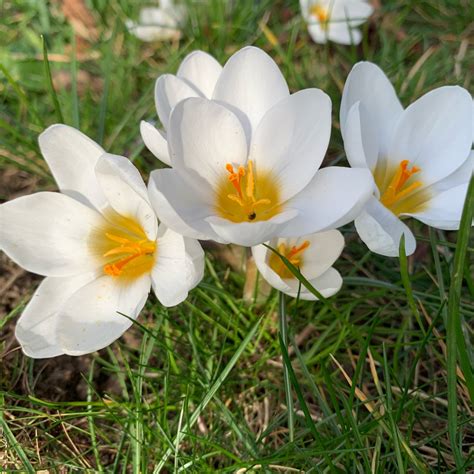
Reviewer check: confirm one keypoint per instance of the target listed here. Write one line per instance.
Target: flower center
(399, 191)
(294, 254)
(124, 248)
(241, 197)
(321, 13)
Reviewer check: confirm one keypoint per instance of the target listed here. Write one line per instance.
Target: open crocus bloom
(335, 20)
(98, 243)
(196, 77)
(245, 165)
(158, 23)
(312, 254)
(419, 157)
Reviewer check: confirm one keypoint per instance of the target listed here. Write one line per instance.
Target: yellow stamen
(293, 254)
(123, 247)
(321, 13)
(248, 202)
(397, 189)
(130, 249)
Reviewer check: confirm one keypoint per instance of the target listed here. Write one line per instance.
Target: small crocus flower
(335, 20)
(99, 245)
(158, 23)
(419, 157)
(245, 165)
(312, 254)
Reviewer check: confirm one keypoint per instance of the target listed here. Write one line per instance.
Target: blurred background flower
(163, 22)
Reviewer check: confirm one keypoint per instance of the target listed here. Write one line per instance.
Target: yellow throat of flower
(242, 196)
(124, 248)
(400, 190)
(321, 13)
(294, 254)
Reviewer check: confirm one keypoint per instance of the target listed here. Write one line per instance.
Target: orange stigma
(247, 199)
(293, 254)
(397, 189)
(128, 250)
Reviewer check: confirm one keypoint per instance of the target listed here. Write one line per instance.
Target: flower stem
(284, 340)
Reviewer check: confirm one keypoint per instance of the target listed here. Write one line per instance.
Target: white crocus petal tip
(382, 231)
(71, 156)
(155, 141)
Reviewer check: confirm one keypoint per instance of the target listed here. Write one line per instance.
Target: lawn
(377, 378)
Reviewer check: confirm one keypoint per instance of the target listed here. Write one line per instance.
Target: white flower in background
(335, 20)
(196, 77)
(158, 23)
(99, 245)
(245, 165)
(419, 156)
(312, 254)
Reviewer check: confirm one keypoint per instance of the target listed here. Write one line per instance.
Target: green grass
(213, 385)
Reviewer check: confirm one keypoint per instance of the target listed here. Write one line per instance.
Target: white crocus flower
(196, 77)
(158, 23)
(419, 156)
(312, 254)
(335, 20)
(99, 245)
(245, 165)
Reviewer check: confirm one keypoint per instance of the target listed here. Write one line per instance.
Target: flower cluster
(244, 159)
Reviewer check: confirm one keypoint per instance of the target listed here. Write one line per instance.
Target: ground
(200, 388)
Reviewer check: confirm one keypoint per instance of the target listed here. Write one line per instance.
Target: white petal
(251, 233)
(179, 267)
(169, 91)
(350, 12)
(203, 137)
(71, 157)
(304, 6)
(381, 230)
(201, 70)
(327, 284)
(292, 138)
(435, 133)
(150, 33)
(47, 233)
(252, 82)
(36, 328)
(368, 84)
(126, 192)
(461, 176)
(261, 254)
(318, 34)
(155, 141)
(342, 33)
(324, 249)
(180, 206)
(334, 197)
(360, 138)
(93, 318)
(444, 210)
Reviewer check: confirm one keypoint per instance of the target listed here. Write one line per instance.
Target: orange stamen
(293, 254)
(248, 202)
(396, 190)
(132, 250)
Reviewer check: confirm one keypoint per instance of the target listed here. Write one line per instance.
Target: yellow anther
(396, 190)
